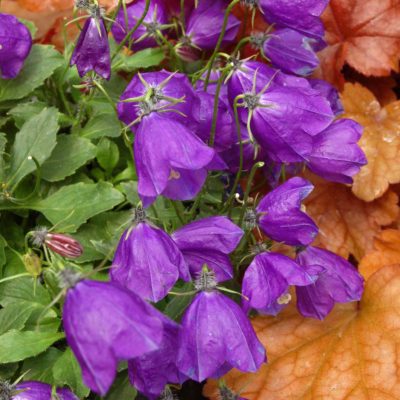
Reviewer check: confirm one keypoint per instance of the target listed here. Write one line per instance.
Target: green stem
(215, 112)
(240, 44)
(10, 278)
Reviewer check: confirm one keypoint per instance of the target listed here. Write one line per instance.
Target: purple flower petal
(329, 92)
(34, 390)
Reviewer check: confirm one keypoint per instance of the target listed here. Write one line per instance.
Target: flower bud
(33, 264)
(64, 245)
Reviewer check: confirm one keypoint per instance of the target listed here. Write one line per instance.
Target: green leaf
(3, 142)
(177, 305)
(3, 245)
(8, 370)
(130, 190)
(24, 111)
(73, 205)
(107, 154)
(66, 371)
(121, 389)
(40, 65)
(30, 25)
(39, 368)
(17, 346)
(14, 316)
(142, 59)
(37, 138)
(70, 153)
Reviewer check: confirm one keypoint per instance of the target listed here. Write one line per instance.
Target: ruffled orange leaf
(380, 140)
(363, 33)
(352, 354)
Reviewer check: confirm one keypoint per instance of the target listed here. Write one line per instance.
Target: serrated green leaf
(3, 142)
(107, 154)
(37, 138)
(14, 316)
(39, 368)
(24, 111)
(40, 64)
(73, 205)
(66, 371)
(18, 346)
(70, 153)
(142, 59)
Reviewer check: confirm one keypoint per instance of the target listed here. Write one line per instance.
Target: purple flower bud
(34, 390)
(145, 34)
(148, 262)
(336, 155)
(281, 217)
(217, 334)
(15, 45)
(291, 52)
(330, 93)
(205, 23)
(267, 279)
(209, 241)
(338, 282)
(105, 323)
(92, 51)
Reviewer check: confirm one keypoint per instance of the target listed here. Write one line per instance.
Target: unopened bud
(33, 264)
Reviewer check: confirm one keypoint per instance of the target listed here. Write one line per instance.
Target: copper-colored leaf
(387, 252)
(348, 225)
(363, 33)
(380, 140)
(352, 354)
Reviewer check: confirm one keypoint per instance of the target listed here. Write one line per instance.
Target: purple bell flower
(152, 371)
(336, 155)
(267, 279)
(338, 282)
(216, 335)
(209, 241)
(291, 52)
(15, 45)
(105, 323)
(34, 390)
(330, 93)
(92, 51)
(145, 34)
(204, 25)
(148, 262)
(279, 214)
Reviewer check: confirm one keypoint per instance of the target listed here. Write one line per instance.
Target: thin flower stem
(218, 45)
(215, 112)
(182, 14)
(10, 278)
(241, 43)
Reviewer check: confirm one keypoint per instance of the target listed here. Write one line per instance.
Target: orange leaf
(363, 33)
(352, 354)
(380, 140)
(387, 252)
(346, 224)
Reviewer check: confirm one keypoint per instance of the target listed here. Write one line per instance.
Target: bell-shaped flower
(339, 281)
(279, 214)
(267, 279)
(204, 25)
(15, 45)
(216, 334)
(92, 51)
(330, 93)
(146, 33)
(105, 323)
(148, 262)
(35, 390)
(209, 241)
(336, 156)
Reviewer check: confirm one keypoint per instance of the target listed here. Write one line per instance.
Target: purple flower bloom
(216, 333)
(152, 371)
(205, 23)
(15, 45)
(291, 52)
(338, 282)
(336, 155)
(280, 215)
(267, 279)
(148, 262)
(92, 51)
(145, 34)
(209, 241)
(105, 323)
(34, 390)
(330, 93)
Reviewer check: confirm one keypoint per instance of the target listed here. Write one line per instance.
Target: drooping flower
(146, 33)
(267, 279)
(92, 51)
(338, 282)
(34, 390)
(209, 241)
(148, 262)
(216, 335)
(336, 155)
(204, 25)
(279, 214)
(105, 323)
(329, 92)
(291, 52)
(152, 371)
(15, 45)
